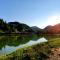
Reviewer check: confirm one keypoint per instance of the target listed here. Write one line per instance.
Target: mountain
(52, 29)
(21, 27)
(14, 27)
(36, 29)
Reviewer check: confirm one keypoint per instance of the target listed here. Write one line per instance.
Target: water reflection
(49, 37)
(9, 44)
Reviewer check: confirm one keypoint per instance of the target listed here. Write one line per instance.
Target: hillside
(52, 29)
(14, 27)
(21, 27)
(36, 29)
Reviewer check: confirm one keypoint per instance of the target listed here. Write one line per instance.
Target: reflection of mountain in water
(16, 40)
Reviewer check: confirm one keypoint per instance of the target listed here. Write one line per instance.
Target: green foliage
(14, 27)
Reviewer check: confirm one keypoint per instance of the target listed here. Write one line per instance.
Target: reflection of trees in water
(49, 37)
(16, 40)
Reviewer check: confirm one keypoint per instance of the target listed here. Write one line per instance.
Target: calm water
(9, 44)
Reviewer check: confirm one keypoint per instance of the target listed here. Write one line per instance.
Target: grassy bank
(36, 52)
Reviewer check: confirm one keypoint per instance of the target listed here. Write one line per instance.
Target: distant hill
(21, 27)
(36, 29)
(14, 27)
(53, 29)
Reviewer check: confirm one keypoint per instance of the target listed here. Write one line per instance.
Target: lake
(9, 44)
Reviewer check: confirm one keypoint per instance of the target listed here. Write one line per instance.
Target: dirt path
(55, 54)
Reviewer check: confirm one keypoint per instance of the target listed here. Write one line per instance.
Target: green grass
(35, 52)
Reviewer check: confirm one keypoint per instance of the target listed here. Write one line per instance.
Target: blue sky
(32, 12)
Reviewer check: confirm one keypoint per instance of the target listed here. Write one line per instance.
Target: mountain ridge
(22, 27)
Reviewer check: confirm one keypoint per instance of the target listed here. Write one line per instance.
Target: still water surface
(9, 44)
